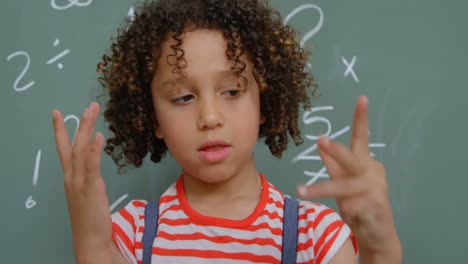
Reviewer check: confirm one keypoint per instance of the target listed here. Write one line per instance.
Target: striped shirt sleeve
(127, 224)
(326, 230)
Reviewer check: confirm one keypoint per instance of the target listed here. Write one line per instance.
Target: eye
(233, 92)
(183, 99)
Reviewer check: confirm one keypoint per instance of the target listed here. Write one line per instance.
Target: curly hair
(250, 27)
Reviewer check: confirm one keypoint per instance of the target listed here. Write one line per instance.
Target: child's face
(207, 105)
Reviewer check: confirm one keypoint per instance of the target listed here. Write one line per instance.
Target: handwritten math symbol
(307, 154)
(349, 68)
(23, 72)
(70, 4)
(25, 87)
(60, 55)
(313, 31)
(30, 203)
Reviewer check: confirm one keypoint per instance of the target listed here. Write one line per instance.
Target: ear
(262, 119)
(157, 128)
(158, 133)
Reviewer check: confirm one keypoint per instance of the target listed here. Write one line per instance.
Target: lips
(214, 151)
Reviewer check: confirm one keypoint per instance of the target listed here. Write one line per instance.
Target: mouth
(214, 151)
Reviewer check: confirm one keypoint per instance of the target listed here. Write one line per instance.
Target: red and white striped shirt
(184, 236)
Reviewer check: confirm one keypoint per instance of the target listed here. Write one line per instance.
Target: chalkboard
(409, 57)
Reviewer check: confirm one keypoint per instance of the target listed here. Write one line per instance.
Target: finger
(95, 112)
(341, 154)
(94, 157)
(333, 168)
(331, 189)
(62, 141)
(82, 140)
(360, 134)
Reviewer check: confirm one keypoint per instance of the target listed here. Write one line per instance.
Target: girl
(205, 79)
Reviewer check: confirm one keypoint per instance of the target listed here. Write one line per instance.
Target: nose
(210, 114)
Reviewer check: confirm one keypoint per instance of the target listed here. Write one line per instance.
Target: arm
(393, 254)
(110, 255)
(345, 254)
(85, 190)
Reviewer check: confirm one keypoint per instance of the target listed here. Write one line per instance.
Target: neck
(245, 184)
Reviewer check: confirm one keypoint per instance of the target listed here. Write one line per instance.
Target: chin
(212, 175)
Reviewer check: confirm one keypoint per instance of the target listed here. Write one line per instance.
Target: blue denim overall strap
(290, 222)
(288, 255)
(151, 227)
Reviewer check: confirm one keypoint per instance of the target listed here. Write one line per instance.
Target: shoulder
(136, 208)
(128, 225)
(315, 215)
(321, 231)
(128, 219)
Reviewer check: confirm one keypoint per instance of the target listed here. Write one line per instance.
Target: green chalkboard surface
(409, 57)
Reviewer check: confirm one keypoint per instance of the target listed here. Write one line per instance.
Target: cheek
(176, 135)
(248, 118)
(171, 124)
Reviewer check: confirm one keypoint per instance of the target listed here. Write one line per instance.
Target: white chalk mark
(23, 72)
(349, 68)
(77, 120)
(36, 167)
(131, 17)
(376, 145)
(118, 201)
(57, 57)
(70, 4)
(308, 68)
(316, 175)
(303, 154)
(131, 14)
(30, 203)
(310, 120)
(309, 34)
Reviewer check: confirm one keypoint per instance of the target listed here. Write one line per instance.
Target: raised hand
(359, 185)
(85, 190)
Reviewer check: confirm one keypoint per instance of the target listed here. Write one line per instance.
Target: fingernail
(92, 106)
(325, 141)
(364, 99)
(301, 190)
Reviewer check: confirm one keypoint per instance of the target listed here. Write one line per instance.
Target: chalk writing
(117, 202)
(77, 122)
(30, 203)
(23, 72)
(131, 17)
(349, 68)
(312, 32)
(309, 118)
(70, 3)
(60, 55)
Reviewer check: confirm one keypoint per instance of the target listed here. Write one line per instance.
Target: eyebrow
(226, 73)
(173, 80)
